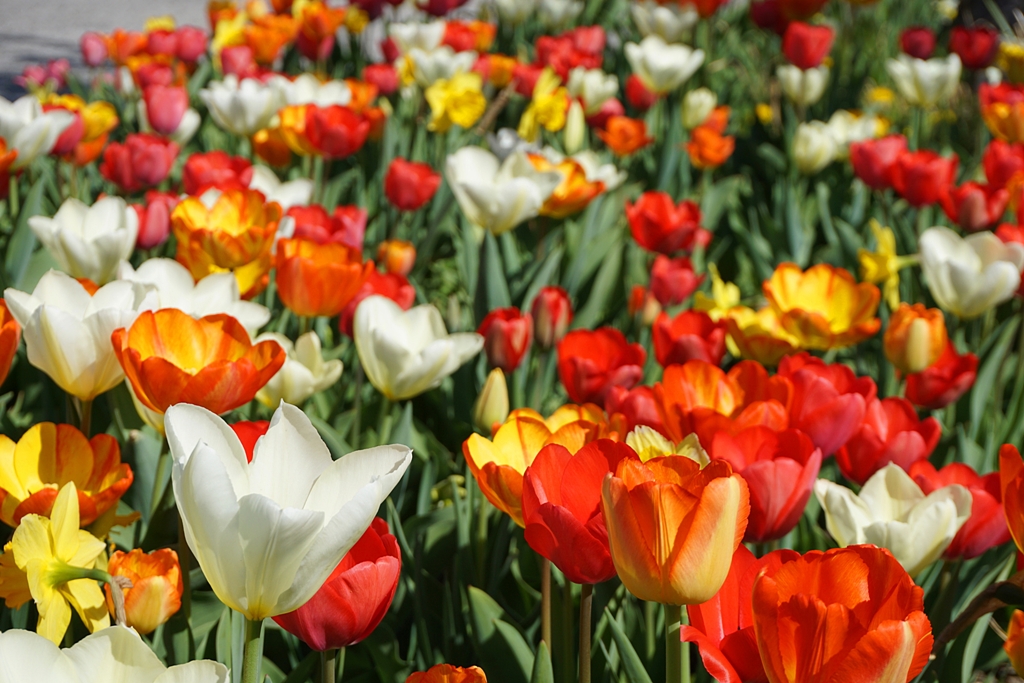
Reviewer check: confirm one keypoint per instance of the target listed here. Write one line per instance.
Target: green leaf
(23, 240)
(542, 672)
(403, 431)
(335, 443)
(630, 659)
(546, 275)
(492, 289)
(504, 653)
(982, 391)
(599, 301)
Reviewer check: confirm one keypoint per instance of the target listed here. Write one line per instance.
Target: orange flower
(318, 279)
(1002, 110)
(170, 357)
(317, 25)
(708, 148)
(446, 673)
(1014, 645)
(469, 35)
(497, 69)
(49, 456)
(1011, 480)
(155, 595)
(268, 34)
(293, 129)
(574, 192)
(363, 94)
(624, 135)
(7, 157)
(673, 527)
(398, 256)
(915, 338)
(271, 145)
(123, 44)
(378, 118)
(850, 614)
(220, 10)
(10, 334)
(823, 307)
(235, 234)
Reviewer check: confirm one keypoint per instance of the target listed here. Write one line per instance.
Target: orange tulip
(170, 357)
(624, 135)
(446, 673)
(10, 335)
(363, 94)
(1014, 645)
(915, 338)
(271, 145)
(709, 147)
(7, 157)
(398, 256)
(268, 34)
(673, 527)
(235, 234)
(318, 279)
(572, 194)
(850, 614)
(1011, 479)
(155, 595)
(293, 129)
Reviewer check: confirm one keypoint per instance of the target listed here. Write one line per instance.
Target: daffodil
(724, 296)
(459, 100)
(883, 265)
(547, 109)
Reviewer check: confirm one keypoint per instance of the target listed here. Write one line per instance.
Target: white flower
(697, 106)
(814, 148)
(925, 82)
(893, 513)
(30, 130)
(296, 192)
(89, 241)
(969, 275)
(308, 89)
(267, 534)
(442, 62)
(187, 127)
(405, 353)
(558, 13)
(671, 21)
(498, 197)
(515, 11)
(420, 36)
(303, 374)
(593, 87)
(242, 107)
(803, 87)
(660, 66)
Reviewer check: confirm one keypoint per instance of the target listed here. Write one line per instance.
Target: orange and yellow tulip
(10, 335)
(318, 279)
(1011, 480)
(1014, 645)
(446, 673)
(573, 194)
(673, 527)
(293, 129)
(758, 335)
(155, 595)
(915, 338)
(170, 357)
(271, 145)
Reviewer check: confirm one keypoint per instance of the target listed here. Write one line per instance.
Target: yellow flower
(649, 443)
(879, 96)
(1011, 60)
(883, 265)
(758, 335)
(164, 23)
(61, 562)
(228, 32)
(356, 19)
(548, 108)
(98, 117)
(459, 100)
(13, 583)
(764, 113)
(724, 296)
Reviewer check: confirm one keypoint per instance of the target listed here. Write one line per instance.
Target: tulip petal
(114, 654)
(288, 459)
(26, 656)
(203, 671)
(188, 425)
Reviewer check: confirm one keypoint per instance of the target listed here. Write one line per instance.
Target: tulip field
(521, 341)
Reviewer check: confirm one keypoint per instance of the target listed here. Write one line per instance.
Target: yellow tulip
(459, 100)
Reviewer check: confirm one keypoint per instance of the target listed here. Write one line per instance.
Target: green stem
(357, 408)
(675, 672)
(328, 666)
(586, 605)
(566, 629)
(545, 601)
(85, 417)
(305, 324)
(384, 421)
(252, 659)
(14, 201)
(185, 563)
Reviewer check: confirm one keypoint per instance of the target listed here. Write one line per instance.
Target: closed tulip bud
(697, 106)
(155, 594)
(552, 314)
(915, 338)
(397, 256)
(591, 362)
(803, 87)
(644, 304)
(409, 185)
(507, 335)
(814, 148)
(673, 279)
(925, 82)
(918, 42)
(806, 46)
(575, 128)
(976, 46)
(94, 49)
(662, 67)
(491, 406)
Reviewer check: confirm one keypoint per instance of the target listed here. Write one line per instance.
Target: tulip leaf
(997, 596)
(402, 433)
(504, 653)
(304, 670)
(599, 301)
(545, 276)
(983, 385)
(23, 240)
(631, 661)
(542, 672)
(720, 196)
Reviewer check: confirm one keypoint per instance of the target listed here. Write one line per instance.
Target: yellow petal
(87, 599)
(32, 542)
(65, 520)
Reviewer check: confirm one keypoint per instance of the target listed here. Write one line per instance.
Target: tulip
(637, 406)
(1014, 645)
(391, 285)
(440, 64)
(806, 46)
(708, 147)
(891, 433)
(976, 46)
(590, 363)
(242, 106)
(916, 337)
(974, 206)
(624, 135)
(803, 87)
(759, 335)
(892, 512)
(1001, 161)
(671, 22)
(658, 224)
(94, 48)
(346, 225)
(383, 76)
(144, 160)
(155, 593)
(987, 526)
(698, 104)
(873, 160)
(397, 256)
(968, 276)
(191, 43)
(405, 353)
(409, 185)
(814, 147)
(690, 335)
(89, 242)
(458, 100)
(425, 36)
(29, 130)
(925, 82)
(673, 280)
(576, 190)
(10, 336)
(268, 540)
(490, 409)
(304, 373)
(662, 67)
(355, 597)
(218, 169)
(336, 131)
(884, 637)
(848, 127)
(165, 111)
(288, 194)
(154, 218)
(318, 279)
(918, 42)
(507, 334)
(446, 673)
(673, 527)
(1002, 109)
(592, 87)
(498, 196)
(552, 314)
(67, 330)
(649, 444)
(944, 382)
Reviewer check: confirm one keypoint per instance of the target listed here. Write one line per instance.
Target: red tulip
(637, 94)
(873, 160)
(162, 43)
(392, 285)
(673, 280)
(828, 401)
(611, 107)
(805, 46)
(658, 224)
(336, 131)
(918, 41)
(591, 362)
(239, 60)
(142, 161)
(249, 433)
(165, 107)
(191, 43)
(68, 140)
(922, 177)
(355, 597)
(383, 76)
(562, 507)
(767, 14)
(1001, 161)
(891, 432)
(155, 218)
(976, 47)
(347, 225)
(690, 335)
(94, 49)
(986, 527)
(552, 313)
(637, 406)
(218, 169)
(409, 185)
(507, 335)
(944, 382)
(974, 206)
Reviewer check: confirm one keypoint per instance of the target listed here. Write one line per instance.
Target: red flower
(165, 107)
(154, 218)
(944, 382)
(873, 160)
(611, 107)
(336, 131)
(409, 185)
(976, 47)
(355, 597)
(507, 335)
(828, 401)
(346, 225)
(162, 42)
(986, 527)
(562, 507)
(383, 76)
(392, 285)
(673, 279)
(780, 469)
(525, 77)
(690, 335)
(552, 313)
(142, 161)
(191, 43)
(659, 224)
(637, 94)
(94, 49)
(891, 432)
(918, 41)
(922, 177)
(974, 206)
(68, 140)
(636, 405)
(218, 169)
(591, 362)
(805, 46)
(249, 433)
(239, 60)
(767, 14)
(1001, 161)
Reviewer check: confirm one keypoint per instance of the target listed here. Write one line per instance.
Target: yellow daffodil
(547, 109)
(724, 296)
(883, 265)
(459, 100)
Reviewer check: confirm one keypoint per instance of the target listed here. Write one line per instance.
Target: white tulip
(515, 11)
(242, 106)
(814, 148)
(593, 87)
(298, 192)
(308, 89)
(847, 127)
(187, 127)
(498, 197)
(112, 654)
(30, 130)
(802, 87)
(419, 36)
(431, 66)
(672, 21)
(893, 513)
(925, 82)
(175, 288)
(267, 534)
(969, 275)
(89, 241)
(697, 106)
(558, 13)
(303, 374)
(660, 66)
(405, 353)
(67, 331)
